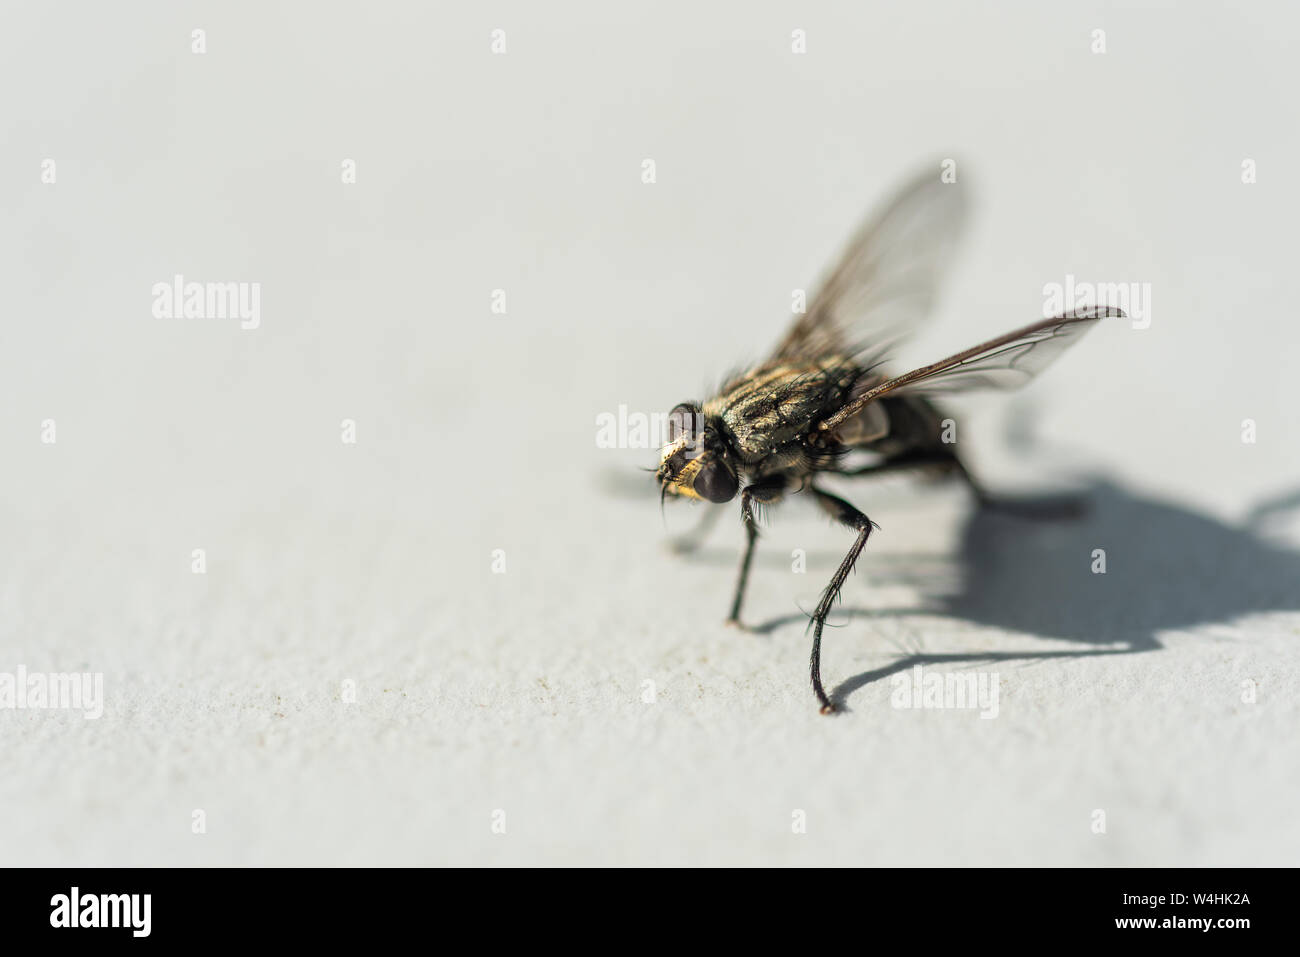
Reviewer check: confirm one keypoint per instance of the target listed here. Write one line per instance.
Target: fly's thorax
(777, 404)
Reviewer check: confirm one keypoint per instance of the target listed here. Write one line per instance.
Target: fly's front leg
(846, 514)
(763, 492)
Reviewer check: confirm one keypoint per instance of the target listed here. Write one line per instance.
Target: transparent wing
(1006, 362)
(886, 280)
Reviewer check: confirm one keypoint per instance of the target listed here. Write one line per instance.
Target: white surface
(522, 691)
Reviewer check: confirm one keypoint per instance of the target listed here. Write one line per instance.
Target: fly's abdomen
(915, 425)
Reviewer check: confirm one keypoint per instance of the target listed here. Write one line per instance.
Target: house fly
(778, 427)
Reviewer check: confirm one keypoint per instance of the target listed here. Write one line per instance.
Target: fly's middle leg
(845, 514)
(763, 492)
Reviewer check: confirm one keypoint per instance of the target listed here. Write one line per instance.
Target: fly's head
(697, 462)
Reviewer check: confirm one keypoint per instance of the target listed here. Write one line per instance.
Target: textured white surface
(522, 691)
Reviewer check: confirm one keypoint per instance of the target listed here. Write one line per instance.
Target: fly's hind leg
(945, 462)
(921, 460)
(763, 492)
(1049, 507)
(845, 514)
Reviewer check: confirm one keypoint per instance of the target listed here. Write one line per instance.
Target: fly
(776, 428)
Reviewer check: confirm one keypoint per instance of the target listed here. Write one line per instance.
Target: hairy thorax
(769, 411)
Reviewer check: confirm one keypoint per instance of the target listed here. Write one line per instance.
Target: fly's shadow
(1167, 568)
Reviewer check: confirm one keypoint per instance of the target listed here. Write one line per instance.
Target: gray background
(522, 692)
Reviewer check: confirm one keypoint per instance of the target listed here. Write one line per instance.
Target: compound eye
(685, 419)
(716, 483)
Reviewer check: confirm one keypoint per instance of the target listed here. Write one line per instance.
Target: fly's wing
(1006, 362)
(886, 280)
